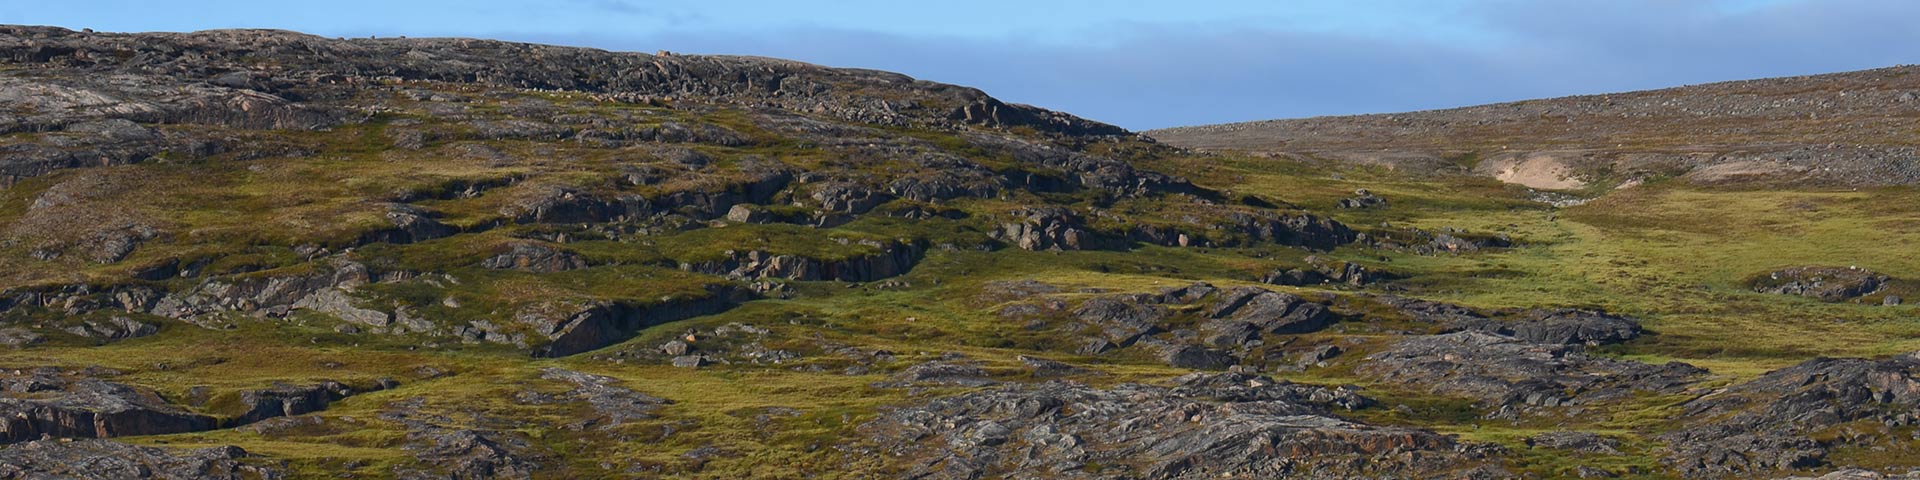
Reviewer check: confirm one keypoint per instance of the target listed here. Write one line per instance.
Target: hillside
(1847, 129)
(263, 254)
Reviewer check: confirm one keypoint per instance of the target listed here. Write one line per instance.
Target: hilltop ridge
(1850, 128)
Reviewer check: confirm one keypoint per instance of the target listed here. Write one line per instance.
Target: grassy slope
(1671, 254)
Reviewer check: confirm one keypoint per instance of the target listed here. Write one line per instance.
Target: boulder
(1828, 284)
(1121, 321)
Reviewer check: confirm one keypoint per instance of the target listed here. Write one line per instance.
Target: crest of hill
(1852, 128)
(289, 62)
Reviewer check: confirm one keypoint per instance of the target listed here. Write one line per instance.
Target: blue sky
(1148, 64)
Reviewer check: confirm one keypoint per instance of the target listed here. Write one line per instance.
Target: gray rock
(1829, 284)
(537, 258)
(1206, 426)
(690, 361)
(1121, 321)
(1583, 442)
(1771, 423)
(68, 406)
(1510, 376)
(109, 460)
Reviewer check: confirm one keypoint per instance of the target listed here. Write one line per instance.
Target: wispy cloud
(1149, 76)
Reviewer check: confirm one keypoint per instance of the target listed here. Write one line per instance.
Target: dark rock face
(220, 87)
(1121, 320)
(1362, 198)
(1769, 423)
(286, 400)
(1271, 312)
(1323, 272)
(1230, 322)
(1047, 228)
(1512, 376)
(575, 328)
(1829, 284)
(893, 259)
(1559, 327)
(109, 460)
(113, 328)
(535, 258)
(46, 402)
(1206, 426)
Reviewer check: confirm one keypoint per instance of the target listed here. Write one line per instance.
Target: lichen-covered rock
(110, 460)
(1205, 426)
(1828, 284)
(51, 403)
(534, 257)
(1510, 376)
(1773, 422)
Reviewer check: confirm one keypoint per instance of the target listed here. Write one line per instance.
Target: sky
(1146, 64)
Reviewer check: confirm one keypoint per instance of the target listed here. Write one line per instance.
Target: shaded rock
(1196, 357)
(1558, 327)
(1362, 198)
(573, 327)
(891, 259)
(114, 328)
(537, 258)
(61, 406)
(1272, 312)
(286, 400)
(19, 337)
(1047, 228)
(690, 361)
(1121, 321)
(1829, 284)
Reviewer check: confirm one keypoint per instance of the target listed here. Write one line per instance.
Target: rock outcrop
(1778, 421)
(1828, 284)
(1205, 426)
(891, 259)
(50, 403)
(109, 460)
(1509, 376)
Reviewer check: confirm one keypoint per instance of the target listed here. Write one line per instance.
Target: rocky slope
(1853, 129)
(261, 254)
